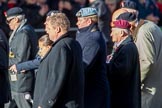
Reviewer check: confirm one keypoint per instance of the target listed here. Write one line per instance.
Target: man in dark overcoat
(123, 68)
(5, 94)
(94, 58)
(60, 77)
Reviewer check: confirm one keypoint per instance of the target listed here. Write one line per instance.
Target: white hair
(21, 17)
(127, 31)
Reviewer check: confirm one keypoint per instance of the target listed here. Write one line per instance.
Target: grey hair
(21, 17)
(127, 31)
(60, 19)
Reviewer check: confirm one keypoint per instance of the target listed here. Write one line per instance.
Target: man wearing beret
(148, 38)
(22, 45)
(123, 68)
(94, 58)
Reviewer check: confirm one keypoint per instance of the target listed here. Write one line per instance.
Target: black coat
(124, 76)
(94, 58)
(4, 80)
(60, 77)
(23, 47)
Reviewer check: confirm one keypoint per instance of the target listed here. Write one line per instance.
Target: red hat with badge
(123, 24)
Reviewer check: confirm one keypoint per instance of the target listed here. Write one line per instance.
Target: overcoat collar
(54, 43)
(91, 28)
(128, 39)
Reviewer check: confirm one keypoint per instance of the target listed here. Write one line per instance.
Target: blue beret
(127, 16)
(88, 11)
(14, 12)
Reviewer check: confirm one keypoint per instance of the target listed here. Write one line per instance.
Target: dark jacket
(23, 47)
(3, 25)
(4, 80)
(29, 65)
(94, 58)
(60, 77)
(124, 76)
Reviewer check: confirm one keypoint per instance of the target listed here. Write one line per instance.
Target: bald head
(117, 13)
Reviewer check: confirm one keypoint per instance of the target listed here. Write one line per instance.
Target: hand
(39, 107)
(108, 59)
(13, 68)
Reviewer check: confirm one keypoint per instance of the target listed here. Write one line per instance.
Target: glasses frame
(8, 21)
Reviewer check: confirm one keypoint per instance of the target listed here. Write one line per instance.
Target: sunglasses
(8, 21)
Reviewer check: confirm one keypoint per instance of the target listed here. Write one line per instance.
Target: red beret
(123, 24)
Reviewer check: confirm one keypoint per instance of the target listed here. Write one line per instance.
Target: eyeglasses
(8, 21)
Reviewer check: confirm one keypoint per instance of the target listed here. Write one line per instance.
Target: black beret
(127, 16)
(129, 4)
(14, 12)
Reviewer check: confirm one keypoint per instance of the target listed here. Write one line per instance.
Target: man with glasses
(22, 47)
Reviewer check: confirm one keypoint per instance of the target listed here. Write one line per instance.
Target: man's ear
(17, 19)
(122, 33)
(58, 29)
(89, 21)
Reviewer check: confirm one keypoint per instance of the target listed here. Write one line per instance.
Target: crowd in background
(36, 10)
(117, 45)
